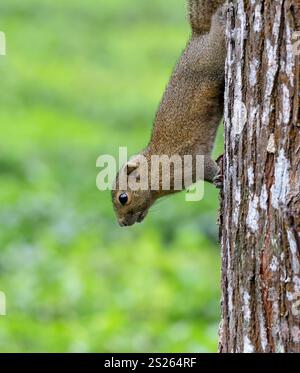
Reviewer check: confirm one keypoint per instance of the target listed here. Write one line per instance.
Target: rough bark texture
(260, 211)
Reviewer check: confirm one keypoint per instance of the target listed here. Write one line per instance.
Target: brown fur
(191, 109)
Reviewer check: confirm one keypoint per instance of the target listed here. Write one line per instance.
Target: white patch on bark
(271, 50)
(229, 279)
(295, 297)
(239, 114)
(246, 307)
(297, 285)
(266, 112)
(228, 72)
(280, 188)
(237, 197)
(271, 144)
(257, 26)
(253, 216)
(254, 65)
(239, 109)
(270, 77)
(286, 107)
(230, 300)
(250, 176)
(274, 264)
(248, 346)
(263, 199)
(294, 251)
(263, 332)
(283, 275)
(296, 334)
(288, 65)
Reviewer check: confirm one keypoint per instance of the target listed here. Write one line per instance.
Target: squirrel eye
(123, 198)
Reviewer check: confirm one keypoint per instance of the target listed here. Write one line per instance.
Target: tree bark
(260, 208)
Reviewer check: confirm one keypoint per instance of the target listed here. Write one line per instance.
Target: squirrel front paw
(218, 180)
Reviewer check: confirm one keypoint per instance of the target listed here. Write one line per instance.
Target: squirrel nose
(127, 222)
(122, 222)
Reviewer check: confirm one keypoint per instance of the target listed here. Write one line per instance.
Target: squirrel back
(192, 105)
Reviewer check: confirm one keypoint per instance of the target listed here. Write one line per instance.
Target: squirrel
(189, 114)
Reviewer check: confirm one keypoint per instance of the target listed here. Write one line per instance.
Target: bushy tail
(200, 14)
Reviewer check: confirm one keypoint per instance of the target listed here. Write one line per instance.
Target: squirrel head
(132, 203)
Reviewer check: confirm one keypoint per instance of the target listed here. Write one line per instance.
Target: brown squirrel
(189, 114)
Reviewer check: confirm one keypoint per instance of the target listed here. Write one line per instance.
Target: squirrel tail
(200, 14)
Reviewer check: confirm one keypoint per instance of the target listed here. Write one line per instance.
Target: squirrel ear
(131, 166)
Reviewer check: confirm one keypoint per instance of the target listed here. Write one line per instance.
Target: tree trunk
(260, 210)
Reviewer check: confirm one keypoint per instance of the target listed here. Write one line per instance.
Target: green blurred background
(80, 79)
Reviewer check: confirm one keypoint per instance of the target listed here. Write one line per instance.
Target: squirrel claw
(218, 181)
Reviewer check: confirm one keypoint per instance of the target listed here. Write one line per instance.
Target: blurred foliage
(80, 79)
